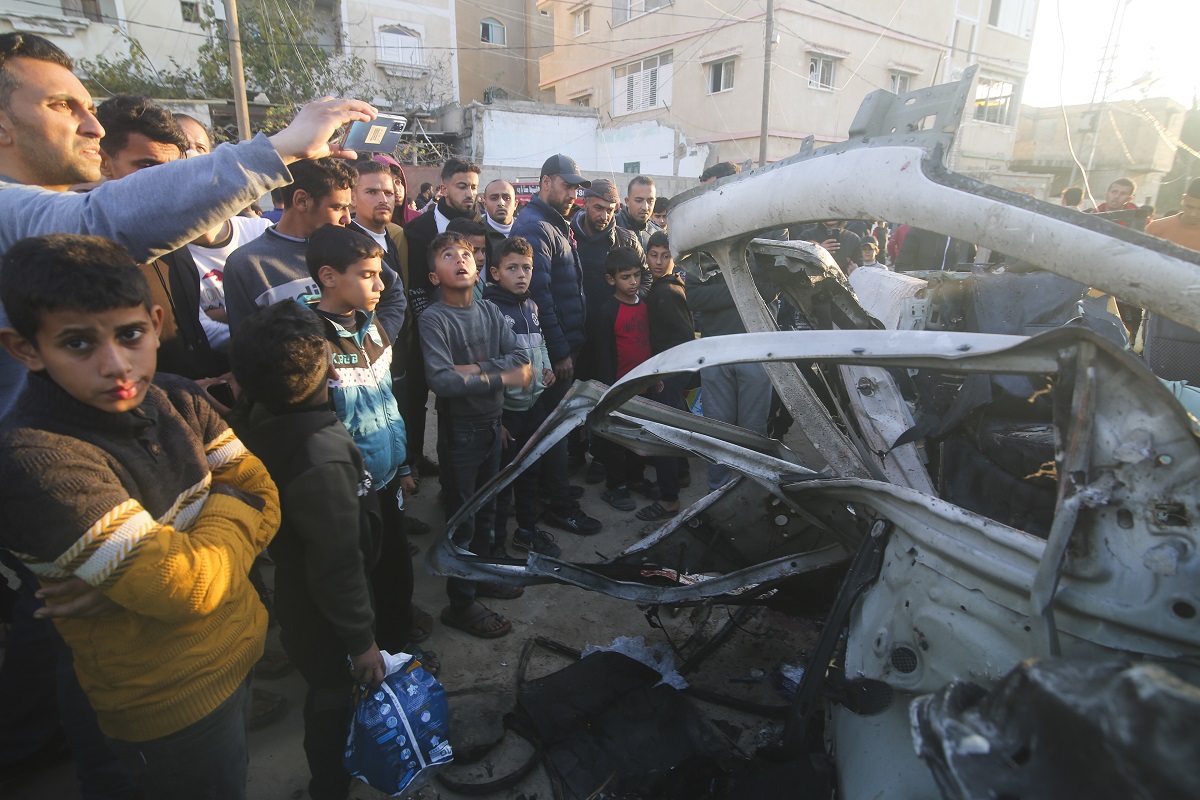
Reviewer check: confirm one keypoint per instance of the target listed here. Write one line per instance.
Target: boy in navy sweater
(524, 410)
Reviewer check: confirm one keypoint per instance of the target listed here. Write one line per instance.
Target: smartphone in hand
(380, 135)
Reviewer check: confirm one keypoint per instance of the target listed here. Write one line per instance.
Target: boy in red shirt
(618, 339)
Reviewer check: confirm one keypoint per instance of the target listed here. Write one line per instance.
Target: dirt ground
(480, 676)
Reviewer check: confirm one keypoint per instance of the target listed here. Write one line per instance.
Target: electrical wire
(565, 44)
(1062, 68)
(1120, 139)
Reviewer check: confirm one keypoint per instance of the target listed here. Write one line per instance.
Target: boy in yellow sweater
(140, 513)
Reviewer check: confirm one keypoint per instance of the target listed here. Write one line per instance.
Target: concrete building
(408, 47)
(688, 65)
(1117, 139)
(102, 28)
(499, 46)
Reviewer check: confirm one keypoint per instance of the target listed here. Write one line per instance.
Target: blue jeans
(204, 761)
(469, 456)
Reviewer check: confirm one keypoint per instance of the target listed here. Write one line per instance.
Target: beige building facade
(409, 47)
(1116, 139)
(500, 43)
(690, 65)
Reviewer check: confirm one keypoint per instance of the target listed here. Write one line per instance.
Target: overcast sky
(1157, 38)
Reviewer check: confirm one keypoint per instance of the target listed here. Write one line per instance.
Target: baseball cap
(604, 189)
(565, 168)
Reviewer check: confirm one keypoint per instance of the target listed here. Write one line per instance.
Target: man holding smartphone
(50, 140)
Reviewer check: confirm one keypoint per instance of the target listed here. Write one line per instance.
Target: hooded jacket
(362, 394)
(557, 285)
(521, 315)
(670, 319)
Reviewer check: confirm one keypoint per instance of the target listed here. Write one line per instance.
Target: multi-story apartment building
(499, 45)
(699, 66)
(439, 50)
(406, 46)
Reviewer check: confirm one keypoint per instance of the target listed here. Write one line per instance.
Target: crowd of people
(187, 384)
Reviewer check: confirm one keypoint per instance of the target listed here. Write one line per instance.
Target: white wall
(507, 138)
(653, 145)
(515, 139)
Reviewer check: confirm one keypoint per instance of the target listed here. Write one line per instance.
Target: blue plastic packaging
(398, 732)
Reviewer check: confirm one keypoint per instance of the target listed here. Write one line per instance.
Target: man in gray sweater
(272, 267)
(50, 140)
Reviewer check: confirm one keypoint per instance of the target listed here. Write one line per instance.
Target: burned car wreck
(991, 495)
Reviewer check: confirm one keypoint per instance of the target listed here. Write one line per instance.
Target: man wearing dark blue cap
(557, 288)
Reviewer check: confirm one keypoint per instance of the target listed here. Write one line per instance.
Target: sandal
(421, 626)
(266, 707)
(428, 659)
(498, 591)
(655, 512)
(476, 619)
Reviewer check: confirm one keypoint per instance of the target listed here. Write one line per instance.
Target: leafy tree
(281, 55)
(135, 74)
(282, 59)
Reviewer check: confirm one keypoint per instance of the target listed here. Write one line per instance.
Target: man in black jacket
(557, 289)
(924, 250)
(845, 246)
(460, 185)
(596, 232)
(639, 205)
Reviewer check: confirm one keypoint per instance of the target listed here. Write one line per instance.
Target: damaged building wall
(498, 135)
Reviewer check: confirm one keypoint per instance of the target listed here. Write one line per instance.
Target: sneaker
(416, 527)
(537, 541)
(573, 520)
(595, 473)
(574, 492)
(618, 497)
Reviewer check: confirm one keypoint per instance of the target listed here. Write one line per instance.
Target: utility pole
(768, 45)
(236, 71)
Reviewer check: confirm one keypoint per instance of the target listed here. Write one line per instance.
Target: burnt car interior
(969, 469)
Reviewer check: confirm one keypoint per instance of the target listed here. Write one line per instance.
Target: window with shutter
(642, 85)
